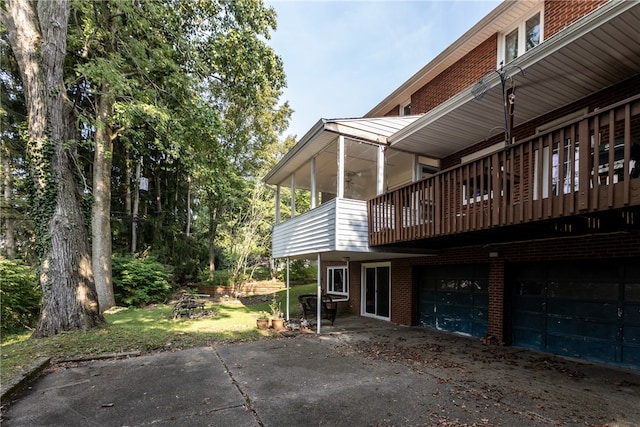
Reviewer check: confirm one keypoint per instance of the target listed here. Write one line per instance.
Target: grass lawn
(148, 330)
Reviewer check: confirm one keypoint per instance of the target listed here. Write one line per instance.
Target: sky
(342, 58)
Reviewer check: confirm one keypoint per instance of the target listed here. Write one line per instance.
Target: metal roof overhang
(598, 51)
(325, 132)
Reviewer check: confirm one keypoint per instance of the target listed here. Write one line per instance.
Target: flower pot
(278, 324)
(262, 323)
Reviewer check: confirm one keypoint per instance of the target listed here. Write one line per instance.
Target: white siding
(315, 231)
(351, 226)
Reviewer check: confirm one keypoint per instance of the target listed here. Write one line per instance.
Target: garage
(453, 298)
(584, 309)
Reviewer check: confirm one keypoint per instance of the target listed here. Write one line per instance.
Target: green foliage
(42, 191)
(299, 270)
(220, 278)
(139, 281)
(20, 295)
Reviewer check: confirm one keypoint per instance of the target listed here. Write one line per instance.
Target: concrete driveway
(360, 372)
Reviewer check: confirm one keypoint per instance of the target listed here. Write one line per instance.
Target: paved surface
(360, 372)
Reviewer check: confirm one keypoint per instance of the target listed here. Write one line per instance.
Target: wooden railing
(551, 174)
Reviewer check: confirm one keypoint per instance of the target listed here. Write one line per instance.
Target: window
(337, 280)
(405, 108)
(526, 35)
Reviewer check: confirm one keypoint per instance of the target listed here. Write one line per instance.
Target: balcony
(337, 226)
(548, 185)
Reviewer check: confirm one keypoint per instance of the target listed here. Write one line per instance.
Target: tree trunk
(9, 219)
(215, 211)
(188, 228)
(127, 182)
(37, 34)
(136, 206)
(101, 208)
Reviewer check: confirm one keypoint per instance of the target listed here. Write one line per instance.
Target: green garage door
(586, 309)
(453, 298)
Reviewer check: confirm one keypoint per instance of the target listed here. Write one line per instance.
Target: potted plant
(277, 322)
(263, 320)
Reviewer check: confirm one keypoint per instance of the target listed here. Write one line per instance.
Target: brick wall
(558, 14)
(456, 78)
(404, 294)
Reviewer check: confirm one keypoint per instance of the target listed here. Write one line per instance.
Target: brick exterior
(456, 78)
(404, 294)
(558, 14)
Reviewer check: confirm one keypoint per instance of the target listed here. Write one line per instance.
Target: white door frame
(363, 289)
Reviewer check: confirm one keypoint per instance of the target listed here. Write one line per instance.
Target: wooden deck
(553, 177)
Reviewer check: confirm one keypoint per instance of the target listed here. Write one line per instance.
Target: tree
(37, 33)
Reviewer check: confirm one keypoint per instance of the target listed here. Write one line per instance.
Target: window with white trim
(337, 281)
(526, 35)
(405, 108)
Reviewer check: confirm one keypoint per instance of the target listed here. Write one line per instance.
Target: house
(496, 193)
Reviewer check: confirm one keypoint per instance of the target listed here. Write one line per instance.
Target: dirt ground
(559, 391)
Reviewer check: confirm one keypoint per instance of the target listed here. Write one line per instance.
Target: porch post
(293, 195)
(380, 171)
(340, 174)
(278, 204)
(288, 288)
(319, 302)
(416, 169)
(313, 183)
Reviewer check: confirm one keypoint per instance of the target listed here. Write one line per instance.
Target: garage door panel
(584, 329)
(529, 320)
(632, 312)
(588, 309)
(596, 310)
(631, 335)
(453, 298)
(528, 338)
(534, 304)
(579, 348)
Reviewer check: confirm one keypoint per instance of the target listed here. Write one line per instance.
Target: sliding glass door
(376, 289)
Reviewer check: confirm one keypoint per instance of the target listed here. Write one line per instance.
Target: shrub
(19, 295)
(220, 278)
(299, 270)
(139, 281)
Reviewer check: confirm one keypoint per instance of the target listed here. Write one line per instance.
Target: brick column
(496, 326)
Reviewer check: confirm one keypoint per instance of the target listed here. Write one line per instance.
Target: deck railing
(551, 174)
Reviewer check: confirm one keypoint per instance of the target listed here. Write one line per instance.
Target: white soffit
(325, 131)
(594, 53)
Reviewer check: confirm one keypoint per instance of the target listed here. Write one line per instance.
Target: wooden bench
(328, 307)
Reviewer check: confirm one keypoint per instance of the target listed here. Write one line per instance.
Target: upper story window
(337, 282)
(525, 35)
(405, 109)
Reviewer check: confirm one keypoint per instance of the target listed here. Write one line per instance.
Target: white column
(340, 175)
(278, 204)
(293, 195)
(319, 304)
(314, 191)
(380, 171)
(288, 288)
(417, 173)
